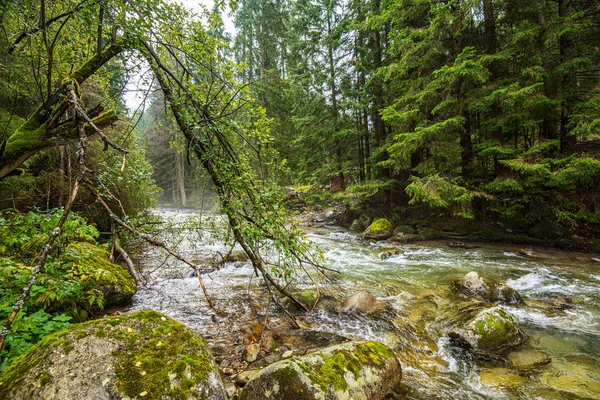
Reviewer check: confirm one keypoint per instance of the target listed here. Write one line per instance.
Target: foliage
(70, 285)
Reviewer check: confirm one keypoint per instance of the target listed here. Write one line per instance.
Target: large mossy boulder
(114, 281)
(487, 289)
(354, 370)
(491, 331)
(143, 355)
(380, 229)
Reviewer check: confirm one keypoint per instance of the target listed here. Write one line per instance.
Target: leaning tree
(55, 47)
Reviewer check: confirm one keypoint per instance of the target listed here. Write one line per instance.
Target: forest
(330, 149)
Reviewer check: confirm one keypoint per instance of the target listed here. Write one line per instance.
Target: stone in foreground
(142, 355)
(355, 370)
(490, 331)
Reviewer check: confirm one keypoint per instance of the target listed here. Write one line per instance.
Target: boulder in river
(354, 370)
(142, 355)
(403, 230)
(488, 289)
(388, 252)
(491, 330)
(362, 303)
(380, 229)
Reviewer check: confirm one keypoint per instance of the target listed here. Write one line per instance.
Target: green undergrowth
(77, 280)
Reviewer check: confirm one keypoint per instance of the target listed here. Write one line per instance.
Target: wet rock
(129, 354)
(380, 229)
(230, 389)
(357, 226)
(531, 254)
(500, 378)
(491, 330)
(573, 380)
(287, 354)
(525, 358)
(361, 223)
(243, 377)
(388, 252)
(308, 297)
(237, 256)
(267, 360)
(407, 238)
(268, 342)
(461, 245)
(403, 230)
(362, 303)
(430, 234)
(355, 370)
(488, 289)
(251, 352)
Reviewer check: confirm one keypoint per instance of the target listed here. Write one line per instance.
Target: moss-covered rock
(487, 289)
(380, 229)
(114, 281)
(355, 370)
(404, 230)
(142, 355)
(490, 331)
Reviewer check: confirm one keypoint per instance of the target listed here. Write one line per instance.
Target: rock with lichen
(488, 289)
(380, 229)
(141, 355)
(490, 331)
(354, 370)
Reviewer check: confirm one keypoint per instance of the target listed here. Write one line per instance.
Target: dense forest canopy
(469, 105)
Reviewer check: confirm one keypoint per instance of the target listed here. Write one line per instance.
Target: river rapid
(561, 314)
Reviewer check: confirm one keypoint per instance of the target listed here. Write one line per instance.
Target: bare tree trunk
(567, 52)
(180, 178)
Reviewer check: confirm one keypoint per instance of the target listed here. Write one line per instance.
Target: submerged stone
(580, 380)
(500, 378)
(488, 289)
(355, 370)
(142, 355)
(526, 358)
(380, 229)
(362, 303)
(491, 330)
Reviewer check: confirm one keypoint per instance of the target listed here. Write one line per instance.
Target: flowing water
(561, 314)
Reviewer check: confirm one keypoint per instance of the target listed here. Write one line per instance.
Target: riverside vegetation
(426, 128)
